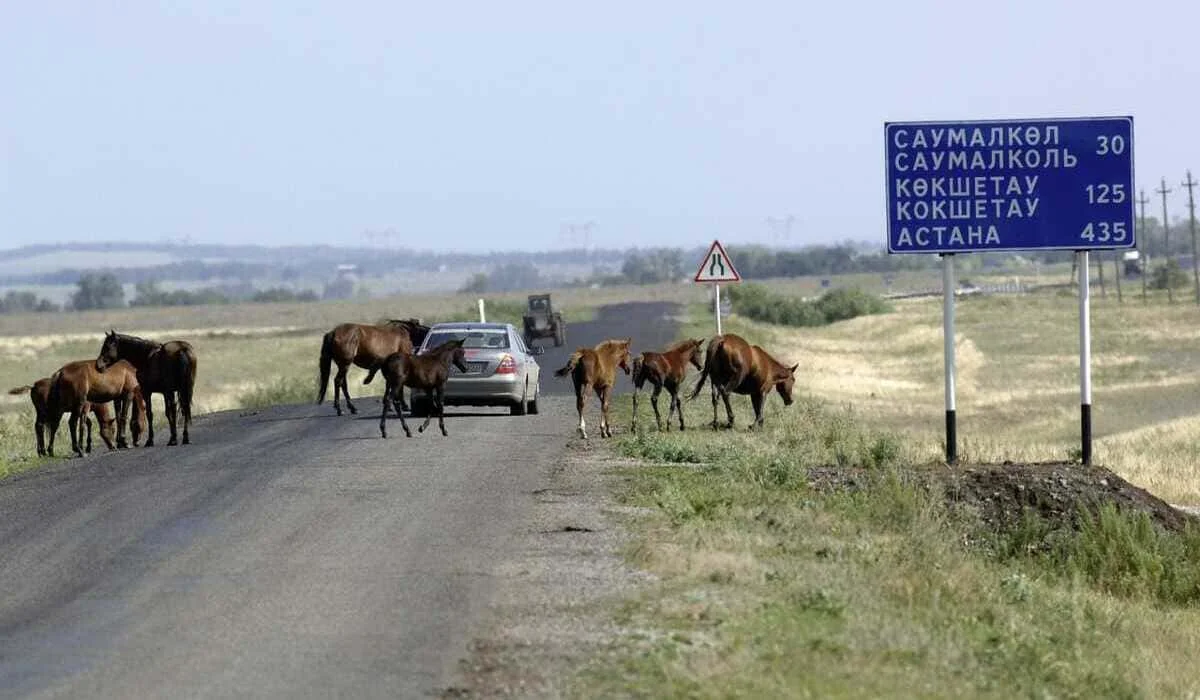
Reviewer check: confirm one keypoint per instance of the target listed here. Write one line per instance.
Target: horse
(76, 385)
(39, 393)
(734, 365)
(163, 368)
(596, 367)
(366, 346)
(429, 372)
(665, 369)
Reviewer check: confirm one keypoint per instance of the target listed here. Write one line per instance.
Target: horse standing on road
(428, 372)
(78, 385)
(665, 369)
(735, 366)
(163, 368)
(39, 394)
(596, 368)
(366, 346)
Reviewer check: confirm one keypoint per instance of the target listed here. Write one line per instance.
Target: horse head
(625, 360)
(110, 351)
(694, 355)
(785, 379)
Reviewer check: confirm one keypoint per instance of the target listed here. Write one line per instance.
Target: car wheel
(518, 408)
(533, 405)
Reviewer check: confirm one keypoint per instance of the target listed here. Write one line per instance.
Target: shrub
(761, 304)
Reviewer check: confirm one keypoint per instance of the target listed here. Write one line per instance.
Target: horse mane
(405, 323)
(136, 340)
(611, 345)
(681, 345)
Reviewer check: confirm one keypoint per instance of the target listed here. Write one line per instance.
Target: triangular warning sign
(716, 266)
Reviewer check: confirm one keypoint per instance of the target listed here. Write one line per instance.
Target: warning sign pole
(717, 304)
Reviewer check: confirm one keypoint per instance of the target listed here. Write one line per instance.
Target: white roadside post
(1085, 358)
(948, 352)
(482, 316)
(716, 267)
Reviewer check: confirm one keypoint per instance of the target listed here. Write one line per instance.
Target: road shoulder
(551, 608)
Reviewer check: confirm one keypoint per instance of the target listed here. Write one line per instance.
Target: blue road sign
(976, 186)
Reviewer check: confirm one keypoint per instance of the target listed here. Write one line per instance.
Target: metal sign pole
(1085, 358)
(948, 351)
(717, 304)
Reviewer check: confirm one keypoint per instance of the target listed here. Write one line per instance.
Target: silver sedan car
(501, 370)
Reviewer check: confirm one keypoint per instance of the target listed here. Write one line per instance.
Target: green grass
(18, 451)
(281, 391)
(767, 587)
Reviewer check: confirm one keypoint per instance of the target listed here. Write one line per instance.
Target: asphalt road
(286, 553)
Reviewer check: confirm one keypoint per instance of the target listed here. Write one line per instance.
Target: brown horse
(596, 368)
(39, 393)
(733, 365)
(665, 369)
(429, 372)
(163, 368)
(79, 384)
(366, 346)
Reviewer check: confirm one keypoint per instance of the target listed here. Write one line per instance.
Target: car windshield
(537, 304)
(477, 339)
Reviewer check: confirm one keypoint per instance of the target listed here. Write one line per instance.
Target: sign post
(716, 267)
(1008, 185)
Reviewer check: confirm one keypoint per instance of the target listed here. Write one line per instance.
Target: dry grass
(1018, 380)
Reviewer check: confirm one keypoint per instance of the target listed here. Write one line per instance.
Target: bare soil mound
(1001, 495)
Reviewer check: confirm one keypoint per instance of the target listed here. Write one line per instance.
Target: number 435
(1104, 232)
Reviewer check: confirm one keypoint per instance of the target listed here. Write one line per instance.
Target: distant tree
(283, 294)
(653, 266)
(25, 302)
(1169, 274)
(98, 291)
(478, 284)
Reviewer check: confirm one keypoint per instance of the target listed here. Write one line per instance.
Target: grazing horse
(429, 372)
(163, 368)
(78, 385)
(39, 393)
(665, 369)
(366, 346)
(597, 368)
(733, 365)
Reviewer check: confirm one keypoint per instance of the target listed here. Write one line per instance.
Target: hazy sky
(491, 125)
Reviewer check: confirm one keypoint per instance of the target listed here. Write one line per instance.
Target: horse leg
(39, 430)
(678, 403)
(654, 402)
(633, 426)
(728, 408)
(52, 431)
(580, 403)
(756, 400)
(429, 413)
(715, 399)
(340, 379)
(403, 423)
(169, 399)
(122, 407)
(441, 407)
(605, 428)
(371, 375)
(73, 426)
(149, 398)
(387, 390)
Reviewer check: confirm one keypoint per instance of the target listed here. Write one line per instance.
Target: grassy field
(770, 588)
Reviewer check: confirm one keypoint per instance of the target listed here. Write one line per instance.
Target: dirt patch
(1002, 494)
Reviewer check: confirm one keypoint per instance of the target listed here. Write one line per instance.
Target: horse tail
(570, 366)
(325, 364)
(638, 364)
(21, 390)
(187, 383)
(708, 357)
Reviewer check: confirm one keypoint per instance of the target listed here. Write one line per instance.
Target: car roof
(469, 326)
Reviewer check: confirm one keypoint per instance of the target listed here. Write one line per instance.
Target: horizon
(544, 128)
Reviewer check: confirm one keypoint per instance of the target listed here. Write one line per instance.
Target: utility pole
(1117, 256)
(1166, 240)
(1100, 266)
(1190, 184)
(1143, 257)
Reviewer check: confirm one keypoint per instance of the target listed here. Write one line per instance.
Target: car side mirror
(537, 350)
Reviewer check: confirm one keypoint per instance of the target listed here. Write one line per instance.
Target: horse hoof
(408, 433)
(150, 443)
(353, 410)
(383, 433)
(186, 441)
(172, 442)
(421, 429)
(445, 434)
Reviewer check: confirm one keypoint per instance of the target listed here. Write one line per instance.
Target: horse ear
(792, 369)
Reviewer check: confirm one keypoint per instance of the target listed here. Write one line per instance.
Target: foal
(39, 394)
(76, 385)
(665, 369)
(597, 368)
(428, 372)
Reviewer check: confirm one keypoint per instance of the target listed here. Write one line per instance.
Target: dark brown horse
(163, 368)
(77, 385)
(596, 368)
(39, 393)
(427, 372)
(366, 346)
(665, 369)
(735, 366)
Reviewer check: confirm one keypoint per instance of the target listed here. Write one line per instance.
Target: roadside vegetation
(828, 555)
(758, 302)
